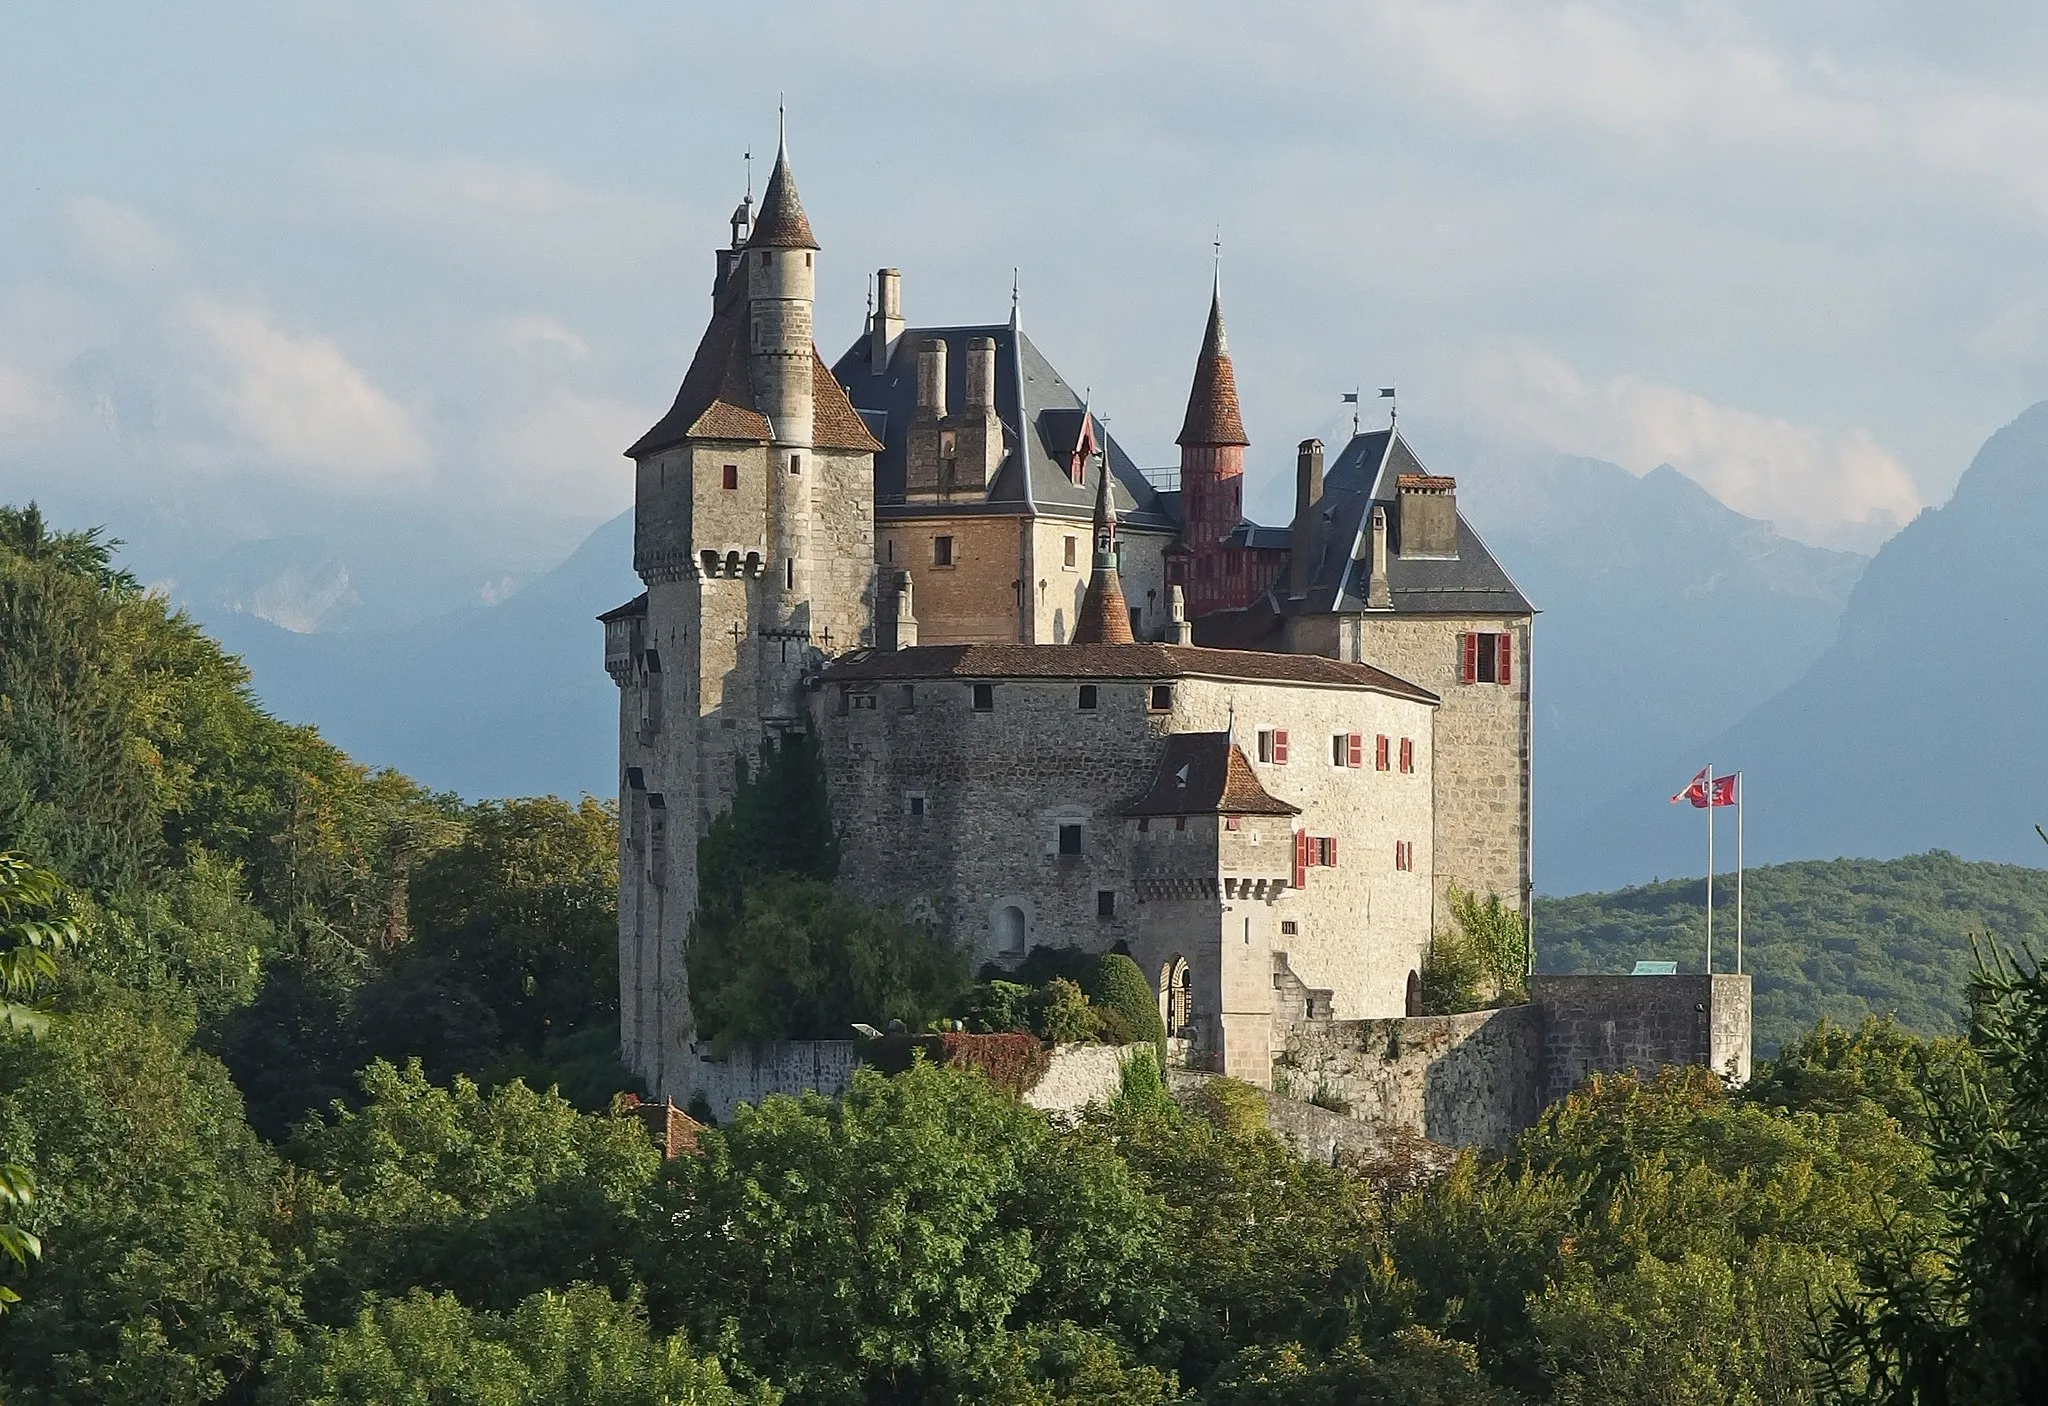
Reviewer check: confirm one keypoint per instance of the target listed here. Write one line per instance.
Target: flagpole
(1710, 869)
(1738, 873)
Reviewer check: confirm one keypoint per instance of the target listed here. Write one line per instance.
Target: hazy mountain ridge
(1666, 616)
(1920, 725)
(501, 700)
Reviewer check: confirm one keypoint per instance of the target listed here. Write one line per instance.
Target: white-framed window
(1347, 749)
(1273, 746)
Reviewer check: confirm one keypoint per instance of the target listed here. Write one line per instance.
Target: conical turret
(781, 223)
(1103, 617)
(1212, 419)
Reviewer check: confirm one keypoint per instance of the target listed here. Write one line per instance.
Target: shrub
(1231, 1106)
(1121, 991)
(1067, 1018)
(992, 1007)
(1014, 1062)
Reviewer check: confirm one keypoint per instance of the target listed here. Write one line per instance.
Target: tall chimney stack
(1379, 595)
(1308, 491)
(888, 325)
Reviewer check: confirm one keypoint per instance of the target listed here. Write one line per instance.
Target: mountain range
(1919, 726)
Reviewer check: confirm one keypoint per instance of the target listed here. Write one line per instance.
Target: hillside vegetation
(1841, 938)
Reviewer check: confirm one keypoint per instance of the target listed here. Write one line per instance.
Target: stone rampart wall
(1075, 1075)
(1469, 1080)
(1475, 1080)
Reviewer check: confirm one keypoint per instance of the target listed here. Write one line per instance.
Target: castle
(1058, 704)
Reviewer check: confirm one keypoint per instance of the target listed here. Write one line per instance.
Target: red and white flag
(1696, 795)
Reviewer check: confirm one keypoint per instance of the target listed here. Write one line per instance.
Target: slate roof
(716, 400)
(781, 223)
(633, 607)
(1366, 471)
(1032, 475)
(1140, 661)
(1206, 773)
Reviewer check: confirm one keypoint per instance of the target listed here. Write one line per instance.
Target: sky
(410, 275)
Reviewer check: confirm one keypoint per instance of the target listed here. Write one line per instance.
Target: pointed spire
(781, 223)
(1103, 617)
(1212, 417)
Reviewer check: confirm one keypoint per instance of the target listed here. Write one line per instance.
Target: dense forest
(306, 1095)
(1837, 939)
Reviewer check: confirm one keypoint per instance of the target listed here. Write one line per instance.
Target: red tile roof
(1213, 417)
(1206, 773)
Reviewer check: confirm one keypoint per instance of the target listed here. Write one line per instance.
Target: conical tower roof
(1103, 617)
(781, 223)
(1212, 417)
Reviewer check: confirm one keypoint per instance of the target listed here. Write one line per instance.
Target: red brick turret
(1212, 445)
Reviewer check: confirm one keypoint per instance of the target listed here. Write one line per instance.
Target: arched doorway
(1414, 993)
(1176, 990)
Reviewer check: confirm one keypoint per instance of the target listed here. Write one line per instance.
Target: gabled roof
(716, 400)
(1037, 441)
(1212, 417)
(1133, 662)
(1206, 773)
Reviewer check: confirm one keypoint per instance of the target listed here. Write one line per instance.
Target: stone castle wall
(1476, 1080)
(995, 787)
(1462, 1080)
(1482, 738)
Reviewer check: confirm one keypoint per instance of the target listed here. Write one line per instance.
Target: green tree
(880, 1248)
(1952, 1309)
(780, 822)
(1117, 988)
(1495, 933)
(488, 1196)
(1414, 1367)
(155, 1204)
(577, 1345)
(524, 910)
(802, 961)
(35, 927)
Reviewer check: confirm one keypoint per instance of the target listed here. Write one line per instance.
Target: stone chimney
(930, 436)
(888, 324)
(905, 634)
(978, 436)
(1180, 631)
(1308, 491)
(1429, 515)
(1379, 595)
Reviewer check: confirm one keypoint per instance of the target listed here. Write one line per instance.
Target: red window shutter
(1301, 859)
(1503, 669)
(1407, 754)
(1280, 748)
(1379, 752)
(1470, 672)
(1354, 749)
(1332, 843)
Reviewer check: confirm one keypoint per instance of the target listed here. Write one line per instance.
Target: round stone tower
(782, 276)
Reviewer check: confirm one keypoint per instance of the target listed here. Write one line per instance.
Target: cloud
(1836, 489)
(566, 448)
(25, 403)
(299, 401)
(528, 333)
(118, 239)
